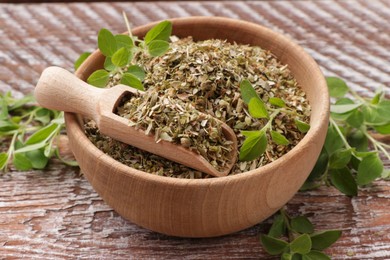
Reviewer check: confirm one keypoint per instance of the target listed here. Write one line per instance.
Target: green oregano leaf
(324, 239)
(342, 101)
(310, 185)
(132, 81)
(106, 42)
(32, 147)
(19, 143)
(6, 126)
(384, 109)
(343, 180)
(272, 245)
(320, 167)
(354, 164)
(286, 256)
(121, 57)
(369, 169)
(383, 129)
(124, 41)
(42, 134)
(356, 119)
(315, 255)
(358, 140)
(302, 224)
(37, 158)
(254, 145)
(277, 102)
(278, 227)
(3, 160)
(99, 78)
(337, 87)
(161, 31)
(340, 158)
(385, 174)
(333, 141)
(157, 47)
(247, 91)
(137, 71)
(302, 126)
(81, 59)
(16, 119)
(43, 115)
(108, 65)
(4, 109)
(257, 108)
(365, 154)
(342, 109)
(21, 162)
(301, 245)
(278, 138)
(378, 96)
(371, 115)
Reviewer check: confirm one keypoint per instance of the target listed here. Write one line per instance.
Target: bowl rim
(72, 121)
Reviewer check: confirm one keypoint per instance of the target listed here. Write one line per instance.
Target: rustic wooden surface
(56, 214)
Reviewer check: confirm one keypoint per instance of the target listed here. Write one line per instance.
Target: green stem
(377, 144)
(287, 218)
(12, 145)
(283, 110)
(10, 150)
(127, 24)
(324, 176)
(31, 114)
(332, 122)
(270, 120)
(67, 162)
(385, 145)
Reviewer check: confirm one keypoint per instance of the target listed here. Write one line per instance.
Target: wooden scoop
(61, 90)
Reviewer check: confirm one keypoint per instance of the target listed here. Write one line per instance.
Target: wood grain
(55, 214)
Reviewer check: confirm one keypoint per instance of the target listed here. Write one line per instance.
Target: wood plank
(56, 214)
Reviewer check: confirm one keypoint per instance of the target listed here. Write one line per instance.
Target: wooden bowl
(216, 206)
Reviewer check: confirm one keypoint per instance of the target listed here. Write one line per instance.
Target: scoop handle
(59, 89)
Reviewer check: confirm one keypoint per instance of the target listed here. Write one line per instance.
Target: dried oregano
(207, 77)
(176, 121)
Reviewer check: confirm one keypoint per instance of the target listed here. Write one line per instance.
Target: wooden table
(56, 214)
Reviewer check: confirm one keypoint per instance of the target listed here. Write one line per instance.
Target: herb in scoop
(176, 121)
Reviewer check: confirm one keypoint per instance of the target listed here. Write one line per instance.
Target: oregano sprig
(346, 161)
(295, 238)
(120, 50)
(30, 132)
(256, 141)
